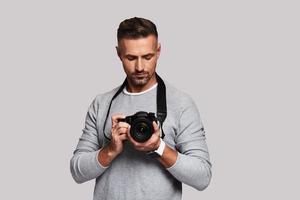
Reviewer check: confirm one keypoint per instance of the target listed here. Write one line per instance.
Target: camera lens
(141, 125)
(142, 129)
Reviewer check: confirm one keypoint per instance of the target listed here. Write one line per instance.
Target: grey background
(239, 60)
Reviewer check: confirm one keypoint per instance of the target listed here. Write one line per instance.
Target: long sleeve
(84, 164)
(193, 165)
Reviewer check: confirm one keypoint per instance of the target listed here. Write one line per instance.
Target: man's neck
(136, 89)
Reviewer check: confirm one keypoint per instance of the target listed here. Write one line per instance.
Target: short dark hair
(135, 28)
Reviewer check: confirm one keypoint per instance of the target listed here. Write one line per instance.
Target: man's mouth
(140, 75)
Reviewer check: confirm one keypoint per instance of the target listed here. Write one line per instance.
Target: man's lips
(140, 75)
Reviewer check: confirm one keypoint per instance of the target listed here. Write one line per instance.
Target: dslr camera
(141, 125)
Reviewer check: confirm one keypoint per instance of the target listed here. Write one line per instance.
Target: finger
(123, 137)
(142, 148)
(121, 130)
(156, 128)
(121, 127)
(154, 139)
(122, 124)
(128, 133)
(115, 119)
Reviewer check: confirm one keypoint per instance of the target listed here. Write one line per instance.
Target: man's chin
(139, 82)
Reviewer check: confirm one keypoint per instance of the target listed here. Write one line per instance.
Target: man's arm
(168, 157)
(84, 164)
(88, 162)
(191, 164)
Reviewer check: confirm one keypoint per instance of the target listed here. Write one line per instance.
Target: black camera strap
(160, 99)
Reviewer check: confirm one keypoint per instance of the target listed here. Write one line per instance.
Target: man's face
(139, 58)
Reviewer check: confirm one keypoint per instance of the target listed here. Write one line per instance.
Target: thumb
(155, 127)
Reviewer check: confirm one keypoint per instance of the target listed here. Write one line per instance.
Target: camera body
(141, 125)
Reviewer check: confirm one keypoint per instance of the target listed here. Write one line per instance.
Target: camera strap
(161, 100)
(161, 110)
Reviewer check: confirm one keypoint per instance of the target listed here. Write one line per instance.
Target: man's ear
(158, 49)
(118, 52)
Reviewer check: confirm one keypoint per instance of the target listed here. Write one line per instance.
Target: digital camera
(141, 125)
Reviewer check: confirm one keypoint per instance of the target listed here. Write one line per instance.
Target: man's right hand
(118, 136)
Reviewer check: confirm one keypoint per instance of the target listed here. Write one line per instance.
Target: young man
(123, 167)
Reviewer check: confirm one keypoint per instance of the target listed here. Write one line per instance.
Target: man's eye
(148, 57)
(130, 58)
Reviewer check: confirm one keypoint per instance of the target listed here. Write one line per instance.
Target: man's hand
(169, 155)
(118, 136)
(149, 145)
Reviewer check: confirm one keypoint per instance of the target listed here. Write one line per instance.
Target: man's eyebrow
(149, 54)
(130, 55)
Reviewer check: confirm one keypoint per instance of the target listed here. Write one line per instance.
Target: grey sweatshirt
(133, 175)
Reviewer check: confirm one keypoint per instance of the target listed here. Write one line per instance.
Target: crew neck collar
(139, 93)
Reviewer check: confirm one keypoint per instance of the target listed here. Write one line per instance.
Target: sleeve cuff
(101, 167)
(177, 162)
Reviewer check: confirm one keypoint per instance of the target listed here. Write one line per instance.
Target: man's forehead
(140, 45)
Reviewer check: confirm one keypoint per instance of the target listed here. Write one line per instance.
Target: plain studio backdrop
(239, 61)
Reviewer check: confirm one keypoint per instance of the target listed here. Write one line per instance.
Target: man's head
(139, 50)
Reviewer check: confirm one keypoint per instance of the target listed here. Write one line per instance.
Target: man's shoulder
(105, 96)
(177, 96)
(173, 92)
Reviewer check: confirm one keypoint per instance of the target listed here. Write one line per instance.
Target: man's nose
(139, 65)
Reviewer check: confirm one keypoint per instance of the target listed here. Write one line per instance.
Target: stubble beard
(139, 81)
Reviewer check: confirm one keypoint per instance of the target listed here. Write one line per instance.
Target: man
(124, 168)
